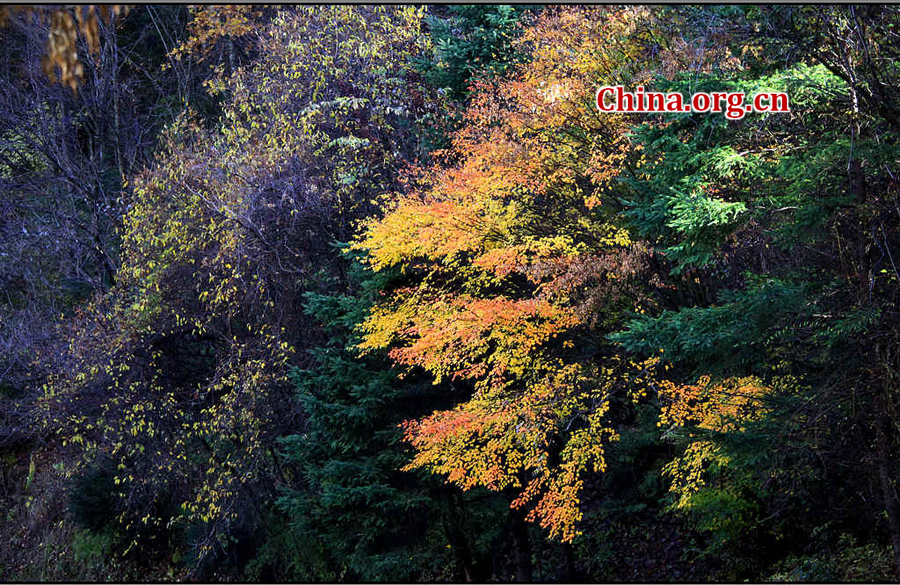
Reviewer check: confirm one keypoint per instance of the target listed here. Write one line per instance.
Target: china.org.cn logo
(734, 104)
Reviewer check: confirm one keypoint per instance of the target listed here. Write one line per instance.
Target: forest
(353, 293)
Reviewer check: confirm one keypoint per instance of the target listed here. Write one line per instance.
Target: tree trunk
(521, 547)
(571, 572)
(456, 538)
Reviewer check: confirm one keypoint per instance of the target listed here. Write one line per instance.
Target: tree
(179, 373)
(779, 223)
(471, 43)
(517, 263)
(368, 519)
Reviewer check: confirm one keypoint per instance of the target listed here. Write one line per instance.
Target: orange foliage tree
(517, 263)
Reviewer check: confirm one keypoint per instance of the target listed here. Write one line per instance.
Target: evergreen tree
(368, 520)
